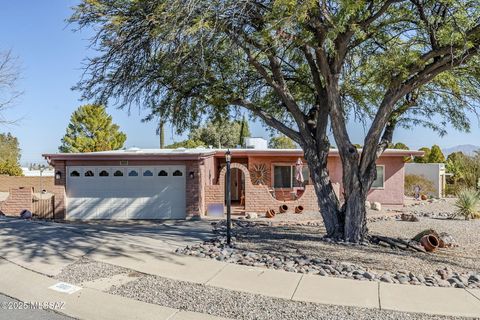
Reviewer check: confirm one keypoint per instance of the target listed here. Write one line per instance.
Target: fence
(44, 207)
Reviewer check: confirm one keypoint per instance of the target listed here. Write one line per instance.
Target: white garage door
(126, 192)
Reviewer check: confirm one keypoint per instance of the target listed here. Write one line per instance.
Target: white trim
(383, 178)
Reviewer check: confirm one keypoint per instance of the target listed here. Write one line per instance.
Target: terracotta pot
(283, 208)
(430, 242)
(423, 197)
(270, 213)
(299, 209)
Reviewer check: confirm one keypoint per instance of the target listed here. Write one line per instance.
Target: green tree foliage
(9, 155)
(431, 155)
(10, 168)
(244, 131)
(281, 142)
(218, 134)
(400, 146)
(465, 170)
(426, 156)
(221, 134)
(436, 155)
(91, 129)
(189, 144)
(9, 148)
(303, 67)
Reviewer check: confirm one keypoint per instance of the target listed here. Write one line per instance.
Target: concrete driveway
(47, 247)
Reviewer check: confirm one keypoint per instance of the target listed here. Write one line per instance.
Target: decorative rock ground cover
(300, 263)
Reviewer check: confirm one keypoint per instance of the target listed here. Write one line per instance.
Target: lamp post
(228, 158)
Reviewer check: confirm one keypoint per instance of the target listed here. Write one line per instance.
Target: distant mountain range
(468, 149)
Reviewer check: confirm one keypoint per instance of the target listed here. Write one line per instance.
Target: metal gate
(43, 208)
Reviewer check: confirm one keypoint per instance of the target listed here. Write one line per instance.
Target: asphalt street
(9, 310)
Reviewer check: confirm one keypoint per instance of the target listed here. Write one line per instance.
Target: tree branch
(269, 119)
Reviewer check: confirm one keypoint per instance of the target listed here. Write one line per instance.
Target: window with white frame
(284, 176)
(379, 182)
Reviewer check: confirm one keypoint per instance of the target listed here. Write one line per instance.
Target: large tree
(303, 67)
(91, 129)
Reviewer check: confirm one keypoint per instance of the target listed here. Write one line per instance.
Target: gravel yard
(84, 270)
(306, 240)
(240, 305)
(298, 246)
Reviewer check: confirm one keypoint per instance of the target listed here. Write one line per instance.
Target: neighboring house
(434, 172)
(173, 184)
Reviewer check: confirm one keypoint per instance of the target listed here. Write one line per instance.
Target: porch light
(192, 174)
(58, 175)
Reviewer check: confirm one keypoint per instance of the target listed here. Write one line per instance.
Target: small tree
(436, 155)
(91, 129)
(244, 132)
(281, 142)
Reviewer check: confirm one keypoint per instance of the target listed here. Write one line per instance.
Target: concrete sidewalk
(299, 287)
(29, 286)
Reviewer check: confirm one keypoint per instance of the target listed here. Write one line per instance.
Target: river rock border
(218, 250)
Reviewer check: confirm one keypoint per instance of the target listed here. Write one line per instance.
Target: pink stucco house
(176, 183)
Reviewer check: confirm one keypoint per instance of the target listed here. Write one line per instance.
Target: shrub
(10, 168)
(412, 180)
(467, 204)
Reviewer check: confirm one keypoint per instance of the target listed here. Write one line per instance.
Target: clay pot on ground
(270, 213)
(423, 197)
(298, 209)
(430, 242)
(283, 208)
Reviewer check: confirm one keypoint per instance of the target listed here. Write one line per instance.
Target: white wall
(431, 171)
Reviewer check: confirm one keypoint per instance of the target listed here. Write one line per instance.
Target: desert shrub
(467, 204)
(412, 180)
(451, 189)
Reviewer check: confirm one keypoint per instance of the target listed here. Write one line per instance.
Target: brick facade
(37, 183)
(257, 197)
(19, 199)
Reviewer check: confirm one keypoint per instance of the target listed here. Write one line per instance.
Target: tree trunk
(355, 195)
(348, 221)
(161, 133)
(327, 199)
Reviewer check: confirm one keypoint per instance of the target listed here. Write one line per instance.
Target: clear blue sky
(51, 57)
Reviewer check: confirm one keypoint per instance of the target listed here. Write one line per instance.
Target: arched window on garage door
(104, 173)
(133, 173)
(74, 173)
(177, 173)
(118, 173)
(89, 173)
(147, 173)
(162, 173)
